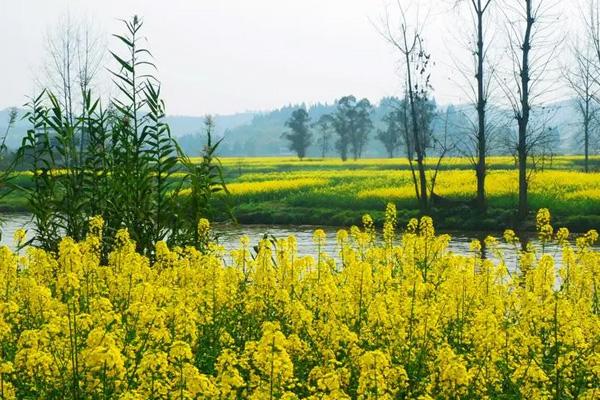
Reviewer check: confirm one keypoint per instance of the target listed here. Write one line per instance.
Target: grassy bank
(330, 192)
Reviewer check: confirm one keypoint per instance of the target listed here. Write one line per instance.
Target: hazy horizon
(237, 56)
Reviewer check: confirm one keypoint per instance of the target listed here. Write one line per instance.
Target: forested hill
(259, 133)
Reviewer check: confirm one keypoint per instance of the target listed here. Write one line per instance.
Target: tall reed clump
(116, 162)
(201, 181)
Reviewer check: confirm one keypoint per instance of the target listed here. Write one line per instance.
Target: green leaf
(124, 64)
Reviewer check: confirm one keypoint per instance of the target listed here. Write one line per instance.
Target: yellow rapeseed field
(285, 184)
(242, 188)
(502, 162)
(390, 315)
(371, 183)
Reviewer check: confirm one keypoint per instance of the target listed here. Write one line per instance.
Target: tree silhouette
(299, 135)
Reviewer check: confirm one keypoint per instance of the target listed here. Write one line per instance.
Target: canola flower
(401, 317)
(19, 236)
(243, 188)
(327, 185)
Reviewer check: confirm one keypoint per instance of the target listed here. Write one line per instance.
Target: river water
(229, 237)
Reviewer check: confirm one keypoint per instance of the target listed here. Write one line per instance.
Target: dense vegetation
(391, 316)
(117, 161)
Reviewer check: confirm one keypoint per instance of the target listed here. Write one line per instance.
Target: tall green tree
(362, 126)
(342, 125)
(325, 128)
(393, 134)
(299, 136)
(352, 123)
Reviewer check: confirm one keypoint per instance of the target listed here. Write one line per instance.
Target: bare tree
(481, 90)
(90, 52)
(75, 54)
(592, 22)
(408, 41)
(581, 79)
(592, 34)
(531, 47)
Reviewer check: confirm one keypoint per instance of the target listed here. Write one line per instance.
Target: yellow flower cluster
(276, 185)
(397, 316)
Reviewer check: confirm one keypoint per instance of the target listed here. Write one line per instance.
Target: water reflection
(229, 238)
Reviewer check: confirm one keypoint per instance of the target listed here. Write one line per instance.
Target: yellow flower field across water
(392, 315)
(286, 191)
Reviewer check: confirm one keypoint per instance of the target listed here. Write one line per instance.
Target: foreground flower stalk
(391, 315)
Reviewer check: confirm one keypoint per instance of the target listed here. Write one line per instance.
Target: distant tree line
(347, 130)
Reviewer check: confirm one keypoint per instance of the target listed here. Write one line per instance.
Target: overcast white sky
(226, 56)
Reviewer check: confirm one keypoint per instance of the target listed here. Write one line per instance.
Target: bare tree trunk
(523, 118)
(586, 124)
(414, 56)
(481, 103)
(586, 138)
(422, 191)
(409, 150)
